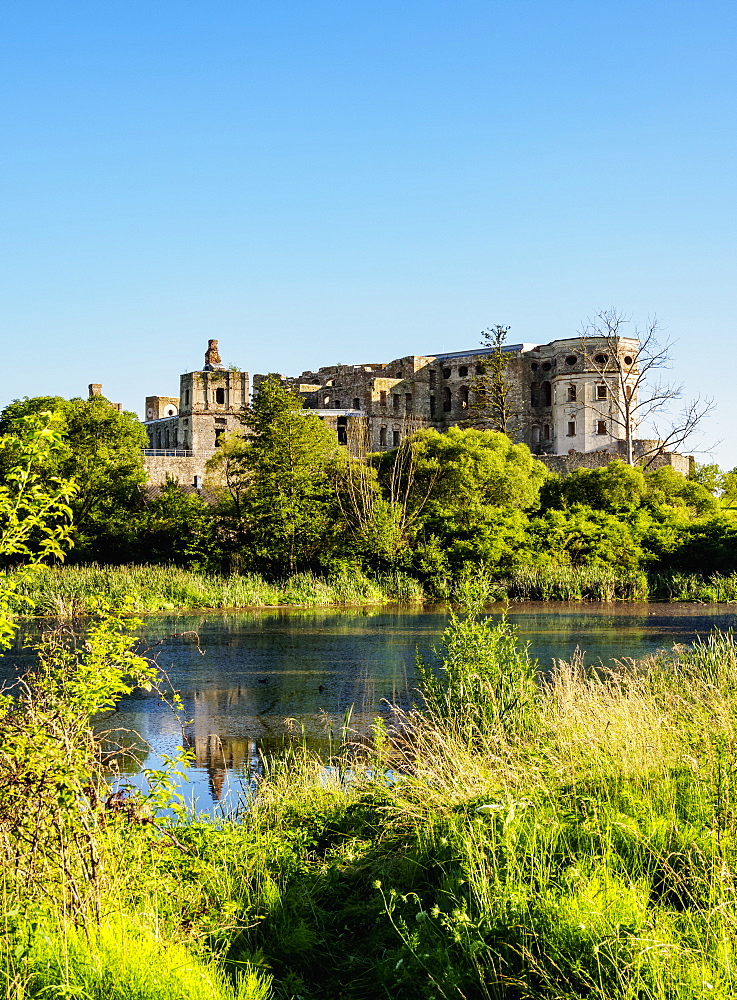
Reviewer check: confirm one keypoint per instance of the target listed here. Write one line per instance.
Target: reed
(71, 591)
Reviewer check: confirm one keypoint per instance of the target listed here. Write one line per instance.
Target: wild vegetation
(293, 503)
(516, 835)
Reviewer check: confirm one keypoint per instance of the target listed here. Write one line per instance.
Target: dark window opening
(396, 438)
(480, 369)
(571, 359)
(547, 366)
(536, 435)
(220, 395)
(356, 403)
(395, 401)
(463, 371)
(628, 360)
(601, 359)
(463, 397)
(219, 431)
(432, 406)
(342, 430)
(186, 397)
(571, 394)
(447, 399)
(547, 394)
(447, 372)
(601, 427)
(433, 378)
(533, 396)
(382, 437)
(601, 392)
(571, 428)
(408, 402)
(382, 397)
(546, 432)
(336, 404)
(534, 366)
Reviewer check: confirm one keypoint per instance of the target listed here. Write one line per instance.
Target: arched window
(220, 395)
(463, 397)
(547, 394)
(447, 400)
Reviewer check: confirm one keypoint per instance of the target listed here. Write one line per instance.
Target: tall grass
(573, 838)
(69, 591)
(574, 583)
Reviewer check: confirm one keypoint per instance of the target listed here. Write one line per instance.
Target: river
(251, 679)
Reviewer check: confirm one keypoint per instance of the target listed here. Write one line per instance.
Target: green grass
(577, 839)
(70, 591)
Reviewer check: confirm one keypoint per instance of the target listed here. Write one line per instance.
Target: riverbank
(574, 841)
(71, 591)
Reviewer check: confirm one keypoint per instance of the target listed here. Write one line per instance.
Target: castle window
(571, 359)
(342, 430)
(601, 391)
(356, 403)
(398, 374)
(463, 396)
(186, 397)
(382, 437)
(447, 372)
(546, 432)
(408, 402)
(433, 378)
(628, 360)
(336, 404)
(547, 394)
(534, 366)
(432, 406)
(396, 401)
(536, 435)
(601, 427)
(382, 397)
(547, 366)
(447, 399)
(480, 368)
(571, 428)
(396, 438)
(463, 371)
(601, 359)
(220, 395)
(533, 396)
(219, 431)
(571, 394)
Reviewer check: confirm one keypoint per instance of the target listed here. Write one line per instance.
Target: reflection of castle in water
(232, 727)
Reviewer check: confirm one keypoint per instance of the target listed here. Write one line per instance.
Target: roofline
(506, 349)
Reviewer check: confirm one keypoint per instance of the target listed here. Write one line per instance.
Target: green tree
(35, 516)
(289, 498)
(101, 450)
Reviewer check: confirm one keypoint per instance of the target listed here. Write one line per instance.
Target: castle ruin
(565, 407)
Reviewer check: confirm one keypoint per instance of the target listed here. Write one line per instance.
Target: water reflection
(250, 681)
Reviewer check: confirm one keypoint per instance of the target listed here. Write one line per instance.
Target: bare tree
(629, 365)
(492, 389)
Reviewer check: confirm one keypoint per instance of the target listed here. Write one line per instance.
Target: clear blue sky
(321, 181)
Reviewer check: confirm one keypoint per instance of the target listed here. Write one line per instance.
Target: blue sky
(326, 181)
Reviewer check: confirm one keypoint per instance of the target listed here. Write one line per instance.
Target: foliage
(291, 503)
(34, 509)
(101, 452)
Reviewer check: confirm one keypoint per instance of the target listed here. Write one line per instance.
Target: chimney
(95, 389)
